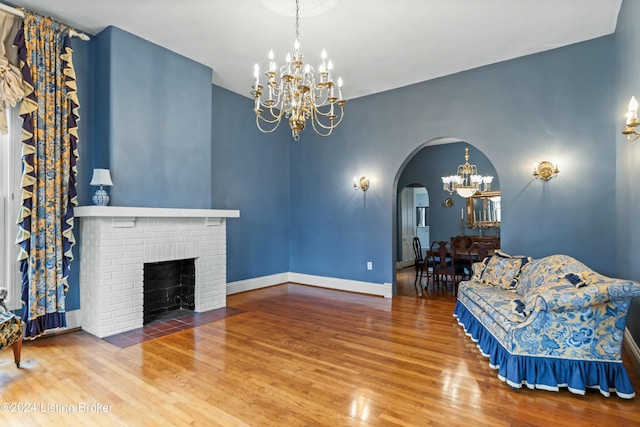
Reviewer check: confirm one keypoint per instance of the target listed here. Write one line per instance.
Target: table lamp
(101, 177)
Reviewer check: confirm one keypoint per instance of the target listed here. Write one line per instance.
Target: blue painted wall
(427, 167)
(84, 64)
(555, 105)
(146, 115)
(628, 153)
(159, 123)
(250, 172)
(102, 103)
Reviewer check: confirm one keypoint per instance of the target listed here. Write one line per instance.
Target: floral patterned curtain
(11, 88)
(49, 156)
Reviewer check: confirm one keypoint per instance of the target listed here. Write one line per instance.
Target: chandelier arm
(276, 94)
(319, 132)
(322, 113)
(276, 119)
(319, 114)
(319, 93)
(270, 109)
(277, 122)
(322, 129)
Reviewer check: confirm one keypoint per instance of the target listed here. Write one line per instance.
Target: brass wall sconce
(632, 121)
(545, 170)
(361, 184)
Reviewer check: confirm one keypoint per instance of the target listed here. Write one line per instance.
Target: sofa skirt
(545, 373)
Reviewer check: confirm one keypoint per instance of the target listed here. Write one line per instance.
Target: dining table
(463, 254)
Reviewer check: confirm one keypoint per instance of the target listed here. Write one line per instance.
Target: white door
(408, 225)
(421, 200)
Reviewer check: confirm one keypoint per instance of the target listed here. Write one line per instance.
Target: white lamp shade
(101, 177)
(466, 192)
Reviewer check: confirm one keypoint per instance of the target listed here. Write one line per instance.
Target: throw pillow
(503, 270)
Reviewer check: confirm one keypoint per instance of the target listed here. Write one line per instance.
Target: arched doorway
(447, 213)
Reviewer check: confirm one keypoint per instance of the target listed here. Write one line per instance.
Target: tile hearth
(171, 323)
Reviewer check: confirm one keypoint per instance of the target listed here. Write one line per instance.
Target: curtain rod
(14, 11)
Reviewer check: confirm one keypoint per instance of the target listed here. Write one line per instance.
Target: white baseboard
(632, 349)
(256, 283)
(381, 289)
(384, 289)
(74, 319)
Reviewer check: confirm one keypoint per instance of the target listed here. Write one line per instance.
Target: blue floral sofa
(548, 323)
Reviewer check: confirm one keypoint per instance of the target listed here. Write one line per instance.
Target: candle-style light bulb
(340, 88)
(633, 110)
(296, 45)
(272, 64)
(256, 74)
(288, 59)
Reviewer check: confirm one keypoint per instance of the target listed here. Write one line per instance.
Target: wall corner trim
(379, 289)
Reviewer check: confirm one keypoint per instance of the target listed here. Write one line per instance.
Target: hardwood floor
(295, 356)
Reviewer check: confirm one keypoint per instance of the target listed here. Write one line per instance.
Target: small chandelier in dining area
(466, 182)
(294, 92)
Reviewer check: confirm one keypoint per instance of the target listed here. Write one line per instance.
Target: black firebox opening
(168, 286)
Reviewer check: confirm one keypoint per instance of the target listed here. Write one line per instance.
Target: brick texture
(112, 256)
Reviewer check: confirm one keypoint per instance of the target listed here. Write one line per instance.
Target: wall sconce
(545, 171)
(632, 121)
(361, 184)
(101, 177)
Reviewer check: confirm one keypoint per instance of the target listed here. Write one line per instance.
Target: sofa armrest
(563, 298)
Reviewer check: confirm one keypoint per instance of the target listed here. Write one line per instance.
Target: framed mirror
(484, 210)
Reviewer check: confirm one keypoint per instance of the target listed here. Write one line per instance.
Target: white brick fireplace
(115, 244)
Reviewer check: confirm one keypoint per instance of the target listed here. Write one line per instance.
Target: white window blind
(10, 176)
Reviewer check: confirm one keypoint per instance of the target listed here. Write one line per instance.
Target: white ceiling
(375, 45)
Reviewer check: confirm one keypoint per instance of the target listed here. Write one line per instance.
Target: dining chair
(421, 264)
(461, 242)
(443, 257)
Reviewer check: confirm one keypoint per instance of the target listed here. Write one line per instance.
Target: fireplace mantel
(127, 211)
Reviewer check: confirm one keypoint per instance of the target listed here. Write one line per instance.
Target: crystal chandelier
(295, 93)
(466, 182)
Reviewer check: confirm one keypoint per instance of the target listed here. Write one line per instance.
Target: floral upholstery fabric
(557, 322)
(549, 269)
(10, 329)
(503, 270)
